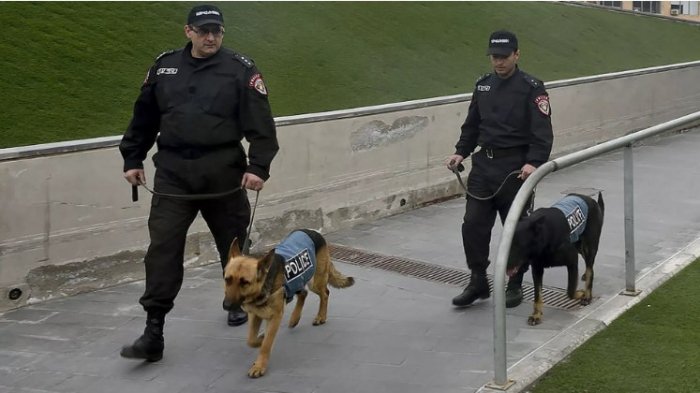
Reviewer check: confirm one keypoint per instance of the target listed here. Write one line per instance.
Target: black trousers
(170, 219)
(485, 178)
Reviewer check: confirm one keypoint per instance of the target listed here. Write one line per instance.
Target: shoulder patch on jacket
(166, 53)
(247, 61)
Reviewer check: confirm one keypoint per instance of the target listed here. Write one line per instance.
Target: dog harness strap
(299, 253)
(575, 210)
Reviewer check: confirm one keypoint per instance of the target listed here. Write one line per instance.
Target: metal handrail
(501, 380)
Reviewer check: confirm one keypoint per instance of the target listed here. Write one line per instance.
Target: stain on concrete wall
(49, 281)
(377, 133)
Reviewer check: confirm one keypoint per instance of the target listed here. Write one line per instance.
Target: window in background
(653, 7)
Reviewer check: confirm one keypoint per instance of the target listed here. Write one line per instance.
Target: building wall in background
(686, 10)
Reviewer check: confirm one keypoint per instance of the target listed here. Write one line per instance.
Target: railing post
(630, 269)
(501, 381)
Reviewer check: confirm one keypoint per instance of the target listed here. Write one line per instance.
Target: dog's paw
(293, 322)
(584, 298)
(257, 342)
(319, 321)
(256, 371)
(534, 320)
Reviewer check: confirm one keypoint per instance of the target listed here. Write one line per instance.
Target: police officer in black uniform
(509, 119)
(197, 103)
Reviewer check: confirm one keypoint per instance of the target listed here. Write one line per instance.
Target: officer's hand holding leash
(526, 171)
(135, 177)
(454, 161)
(252, 182)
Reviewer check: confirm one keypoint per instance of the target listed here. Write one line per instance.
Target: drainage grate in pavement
(552, 296)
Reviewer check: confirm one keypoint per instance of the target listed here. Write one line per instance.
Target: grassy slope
(71, 70)
(653, 347)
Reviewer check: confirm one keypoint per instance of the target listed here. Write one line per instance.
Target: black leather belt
(503, 152)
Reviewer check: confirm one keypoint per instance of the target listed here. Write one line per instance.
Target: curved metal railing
(501, 380)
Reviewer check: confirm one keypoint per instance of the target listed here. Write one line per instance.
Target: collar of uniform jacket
(187, 54)
(515, 72)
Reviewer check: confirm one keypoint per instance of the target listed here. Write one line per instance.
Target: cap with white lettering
(205, 14)
(502, 43)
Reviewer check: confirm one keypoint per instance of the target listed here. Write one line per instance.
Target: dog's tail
(338, 279)
(600, 202)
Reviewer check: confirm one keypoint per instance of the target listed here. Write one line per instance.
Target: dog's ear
(235, 250)
(265, 263)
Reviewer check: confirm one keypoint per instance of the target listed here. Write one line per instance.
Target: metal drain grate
(552, 296)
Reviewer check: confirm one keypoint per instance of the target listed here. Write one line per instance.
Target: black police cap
(502, 43)
(205, 14)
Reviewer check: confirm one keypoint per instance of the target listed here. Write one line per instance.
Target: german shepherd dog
(263, 286)
(554, 236)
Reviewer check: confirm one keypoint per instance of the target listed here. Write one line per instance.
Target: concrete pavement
(391, 332)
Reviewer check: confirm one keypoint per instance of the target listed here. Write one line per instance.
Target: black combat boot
(150, 345)
(478, 288)
(514, 291)
(236, 316)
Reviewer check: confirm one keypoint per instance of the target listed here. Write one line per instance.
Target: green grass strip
(72, 70)
(653, 347)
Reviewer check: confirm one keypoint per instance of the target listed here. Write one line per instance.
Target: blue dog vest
(299, 254)
(575, 210)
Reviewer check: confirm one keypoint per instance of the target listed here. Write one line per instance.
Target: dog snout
(230, 304)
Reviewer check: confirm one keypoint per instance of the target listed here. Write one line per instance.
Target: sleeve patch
(542, 103)
(256, 82)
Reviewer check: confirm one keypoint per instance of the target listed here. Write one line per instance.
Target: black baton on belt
(134, 193)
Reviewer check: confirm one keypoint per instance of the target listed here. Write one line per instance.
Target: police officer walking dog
(199, 101)
(509, 118)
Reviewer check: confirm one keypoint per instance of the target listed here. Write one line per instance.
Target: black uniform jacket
(202, 105)
(508, 113)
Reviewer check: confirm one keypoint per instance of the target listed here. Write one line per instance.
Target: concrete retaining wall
(67, 223)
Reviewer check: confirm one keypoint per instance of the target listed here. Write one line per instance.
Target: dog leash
(185, 197)
(460, 168)
(196, 197)
(246, 243)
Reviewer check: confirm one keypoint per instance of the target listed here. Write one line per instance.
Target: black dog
(554, 236)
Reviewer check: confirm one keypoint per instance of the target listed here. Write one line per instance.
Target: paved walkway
(388, 333)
